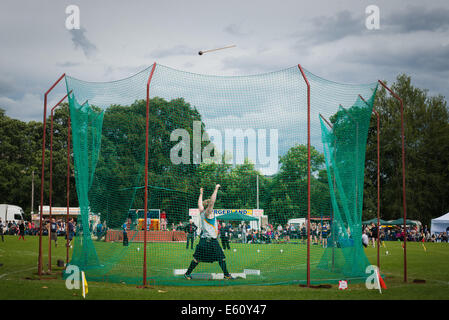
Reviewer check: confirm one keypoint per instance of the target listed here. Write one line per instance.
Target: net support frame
(39, 263)
(308, 173)
(404, 199)
(51, 171)
(146, 196)
(69, 128)
(146, 176)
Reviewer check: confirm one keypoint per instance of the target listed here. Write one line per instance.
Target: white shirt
(209, 227)
(365, 239)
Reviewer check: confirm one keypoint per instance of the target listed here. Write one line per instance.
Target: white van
(11, 213)
(297, 222)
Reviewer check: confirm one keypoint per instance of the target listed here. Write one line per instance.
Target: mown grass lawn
(19, 280)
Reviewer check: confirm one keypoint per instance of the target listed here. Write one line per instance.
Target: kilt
(53, 236)
(208, 250)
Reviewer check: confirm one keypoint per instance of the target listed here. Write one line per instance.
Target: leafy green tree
(426, 147)
(289, 186)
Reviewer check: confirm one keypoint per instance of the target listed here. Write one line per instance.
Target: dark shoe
(228, 277)
(187, 276)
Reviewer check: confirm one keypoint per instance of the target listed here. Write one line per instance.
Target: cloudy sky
(120, 38)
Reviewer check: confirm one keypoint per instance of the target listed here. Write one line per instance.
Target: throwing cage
(152, 140)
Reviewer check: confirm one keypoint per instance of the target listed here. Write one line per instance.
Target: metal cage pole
(404, 200)
(146, 178)
(308, 173)
(39, 263)
(69, 128)
(51, 175)
(378, 187)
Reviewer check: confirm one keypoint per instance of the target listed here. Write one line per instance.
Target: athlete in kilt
(208, 249)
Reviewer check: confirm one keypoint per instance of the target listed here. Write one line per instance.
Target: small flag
(342, 285)
(382, 283)
(85, 287)
(425, 249)
(383, 244)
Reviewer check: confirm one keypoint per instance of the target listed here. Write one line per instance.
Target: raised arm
(200, 201)
(211, 203)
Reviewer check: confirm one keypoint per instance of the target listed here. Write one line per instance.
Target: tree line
(118, 179)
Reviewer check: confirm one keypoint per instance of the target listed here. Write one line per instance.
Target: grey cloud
(431, 59)
(7, 87)
(68, 64)
(427, 64)
(173, 51)
(80, 41)
(418, 18)
(118, 72)
(30, 102)
(247, 65)
(234, 30)
(337, 27)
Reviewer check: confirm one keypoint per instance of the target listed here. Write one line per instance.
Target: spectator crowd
(395, 233)
(244, 233)
(320, 233)
(32, 229)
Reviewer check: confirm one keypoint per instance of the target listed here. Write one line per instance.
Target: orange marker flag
(381, 281)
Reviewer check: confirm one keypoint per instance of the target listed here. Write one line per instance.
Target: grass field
(278, 263)
(19, 280)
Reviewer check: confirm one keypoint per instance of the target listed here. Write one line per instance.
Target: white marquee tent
(440, 224)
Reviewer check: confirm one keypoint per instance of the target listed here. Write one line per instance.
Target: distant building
(56, 212)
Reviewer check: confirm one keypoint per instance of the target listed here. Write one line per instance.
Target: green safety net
(249, 135)
(344, 149)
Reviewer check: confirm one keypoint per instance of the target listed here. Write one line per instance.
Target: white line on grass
(5, 274)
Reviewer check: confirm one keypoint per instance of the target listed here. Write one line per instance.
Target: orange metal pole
(51, 176)
(308, 173)
(39, 261)
(146, 178)
(69, 128)
(404, 199)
